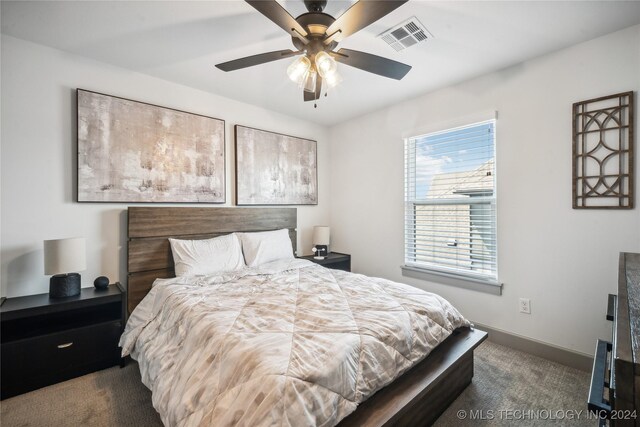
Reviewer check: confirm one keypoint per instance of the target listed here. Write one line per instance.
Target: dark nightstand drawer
(46, 359)
(47, 340)
(40, 361)
(340, 265)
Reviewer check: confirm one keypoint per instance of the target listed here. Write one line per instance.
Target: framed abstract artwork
(130, 152)
(275, 169)
(603, 133)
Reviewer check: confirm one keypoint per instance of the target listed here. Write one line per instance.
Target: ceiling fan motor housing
(316, 23)
(315, 5)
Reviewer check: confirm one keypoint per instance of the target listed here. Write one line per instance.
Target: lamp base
(64, 285)
(321, 250)
(319, 257)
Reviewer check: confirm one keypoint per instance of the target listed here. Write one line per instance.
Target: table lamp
(320, 241)
(62, 256)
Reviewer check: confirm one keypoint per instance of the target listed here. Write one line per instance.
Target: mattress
(290, 343)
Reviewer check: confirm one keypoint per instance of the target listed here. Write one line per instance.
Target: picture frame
(274, 168)
(135, 152)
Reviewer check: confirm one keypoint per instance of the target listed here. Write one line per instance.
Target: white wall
(39, 153)
(564, 260)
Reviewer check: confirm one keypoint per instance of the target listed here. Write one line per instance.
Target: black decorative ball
(101, 282)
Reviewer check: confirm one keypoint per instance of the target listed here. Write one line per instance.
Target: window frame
(440, 273)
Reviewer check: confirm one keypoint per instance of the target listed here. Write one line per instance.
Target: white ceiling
(181, 41)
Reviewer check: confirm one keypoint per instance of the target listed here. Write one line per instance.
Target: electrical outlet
(525, 305)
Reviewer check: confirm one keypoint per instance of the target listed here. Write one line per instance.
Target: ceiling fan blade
(308, 96)
(261, 58)
(312, 96)
(276, 13)
(318, 87)
(360, 15)
(372, 63)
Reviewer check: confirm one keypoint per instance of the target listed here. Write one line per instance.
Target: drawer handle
(611, 306)
(65, 345)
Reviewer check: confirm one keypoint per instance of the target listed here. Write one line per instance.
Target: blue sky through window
(456, 150)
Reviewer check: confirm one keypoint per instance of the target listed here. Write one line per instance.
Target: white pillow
(210, 256)
(266, 246)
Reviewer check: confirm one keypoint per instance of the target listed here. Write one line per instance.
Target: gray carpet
(506, 381)
(512, 388)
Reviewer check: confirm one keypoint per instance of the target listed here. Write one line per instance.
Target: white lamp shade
(63, 256)
(321, 235)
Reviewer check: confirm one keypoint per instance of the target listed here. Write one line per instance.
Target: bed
(417, 397)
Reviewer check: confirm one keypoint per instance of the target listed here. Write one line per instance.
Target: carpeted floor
(509, 388)
(512, 388)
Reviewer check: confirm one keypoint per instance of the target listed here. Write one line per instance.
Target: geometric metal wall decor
(134, 152)
(603, 135)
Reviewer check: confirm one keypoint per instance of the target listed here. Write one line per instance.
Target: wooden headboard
(149, 254)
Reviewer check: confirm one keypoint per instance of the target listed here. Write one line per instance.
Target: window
(450, 203)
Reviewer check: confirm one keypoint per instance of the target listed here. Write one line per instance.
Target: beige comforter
(289, 344)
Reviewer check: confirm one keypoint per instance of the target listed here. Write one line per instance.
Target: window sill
(493, 288)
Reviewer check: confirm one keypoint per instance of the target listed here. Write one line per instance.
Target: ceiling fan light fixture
(298, 69)
(325, 64)
(310, 82)
(333, 79)
(316, 35)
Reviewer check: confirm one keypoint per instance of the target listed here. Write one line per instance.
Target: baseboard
(545, 350)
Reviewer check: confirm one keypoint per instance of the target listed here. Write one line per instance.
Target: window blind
(450, 201)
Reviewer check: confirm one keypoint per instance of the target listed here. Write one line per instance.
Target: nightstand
(44, 341)
(334, 260)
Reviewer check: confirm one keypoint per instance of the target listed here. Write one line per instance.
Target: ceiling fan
(316, 35)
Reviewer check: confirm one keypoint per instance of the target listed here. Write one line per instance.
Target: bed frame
(416, 398)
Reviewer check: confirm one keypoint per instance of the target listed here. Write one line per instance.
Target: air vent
(406, 34)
